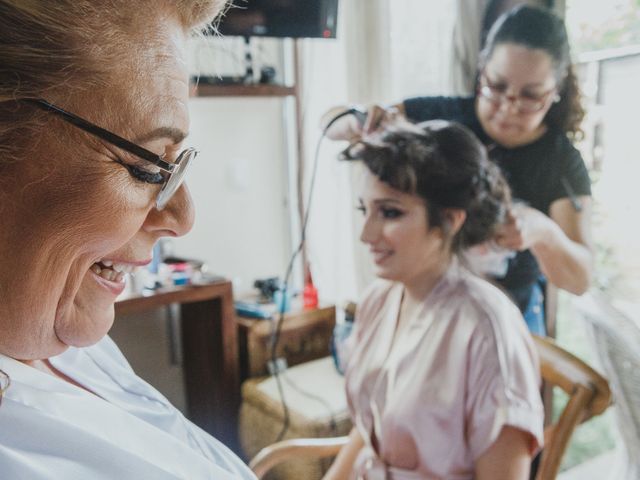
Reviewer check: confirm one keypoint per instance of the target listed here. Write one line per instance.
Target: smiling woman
(526, 110)
(93, 113)
(441, 374)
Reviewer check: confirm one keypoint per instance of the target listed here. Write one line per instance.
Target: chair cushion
(315, 396)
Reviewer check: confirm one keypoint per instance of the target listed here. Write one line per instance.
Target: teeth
(118, 267)
(108, 274)
(123, 268)
(115, 272)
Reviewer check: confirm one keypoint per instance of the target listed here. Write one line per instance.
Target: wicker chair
(617, 341)
(588, 392)
(314, 392)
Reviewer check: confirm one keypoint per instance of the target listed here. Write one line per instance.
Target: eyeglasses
(5, 381)
(497, 95)
(173, 173)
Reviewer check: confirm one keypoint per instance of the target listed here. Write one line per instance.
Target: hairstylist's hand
(521, 228)
(351, 129)
(378, 117)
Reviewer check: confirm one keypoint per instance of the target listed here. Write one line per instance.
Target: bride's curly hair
(447, 166)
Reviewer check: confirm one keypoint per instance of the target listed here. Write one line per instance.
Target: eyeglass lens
(176, 178)
(523, 104)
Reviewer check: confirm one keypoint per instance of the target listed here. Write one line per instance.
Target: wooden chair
(588, 392)
(589, 395)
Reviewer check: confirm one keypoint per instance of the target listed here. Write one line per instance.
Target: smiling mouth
(113, 272)
(380, 256)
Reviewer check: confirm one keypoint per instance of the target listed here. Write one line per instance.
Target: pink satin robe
(430, 402)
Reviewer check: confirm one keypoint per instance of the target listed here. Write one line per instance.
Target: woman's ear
(454, 218)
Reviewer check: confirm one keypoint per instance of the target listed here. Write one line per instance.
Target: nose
(175, 219)
(509, 104)
(370, 231)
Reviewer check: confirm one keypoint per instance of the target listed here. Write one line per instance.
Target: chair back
(589, 395)
(616, 337)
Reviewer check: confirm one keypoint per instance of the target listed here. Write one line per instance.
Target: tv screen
(281, 18)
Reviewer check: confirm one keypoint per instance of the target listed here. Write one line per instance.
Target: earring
(556, 98)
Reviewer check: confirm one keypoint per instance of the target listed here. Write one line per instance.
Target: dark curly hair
(540, 29)
(447, 166)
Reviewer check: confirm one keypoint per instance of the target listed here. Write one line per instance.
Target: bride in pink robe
(442, 376)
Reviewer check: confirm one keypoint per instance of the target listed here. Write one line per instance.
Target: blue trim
(534, 313)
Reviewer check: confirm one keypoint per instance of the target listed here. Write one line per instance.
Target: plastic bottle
(310, 295)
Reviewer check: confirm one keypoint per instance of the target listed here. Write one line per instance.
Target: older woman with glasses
(526, 111)
(93, 115)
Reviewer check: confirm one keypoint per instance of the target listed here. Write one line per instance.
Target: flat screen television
(281, 18)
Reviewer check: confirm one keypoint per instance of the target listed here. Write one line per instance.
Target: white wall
(239, 188)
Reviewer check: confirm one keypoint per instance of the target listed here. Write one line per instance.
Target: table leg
(210, 346)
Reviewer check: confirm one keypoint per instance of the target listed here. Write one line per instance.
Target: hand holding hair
(339, 125)
(522, 228)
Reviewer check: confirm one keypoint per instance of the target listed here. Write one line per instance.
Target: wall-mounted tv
(281, 18)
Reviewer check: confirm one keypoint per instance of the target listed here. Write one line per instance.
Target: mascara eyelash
(142, 175)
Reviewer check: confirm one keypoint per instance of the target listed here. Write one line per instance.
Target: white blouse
(51, 429)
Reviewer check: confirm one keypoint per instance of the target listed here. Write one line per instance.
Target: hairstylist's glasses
(523, 103)
(172, 174)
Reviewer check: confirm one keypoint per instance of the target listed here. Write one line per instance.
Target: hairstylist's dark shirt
(535, 173)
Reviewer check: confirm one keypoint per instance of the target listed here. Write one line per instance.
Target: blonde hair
(70, 45)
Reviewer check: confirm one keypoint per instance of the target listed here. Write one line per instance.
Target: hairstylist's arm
(343, 464)
(509, 457)
(561, 243)
(349, 128)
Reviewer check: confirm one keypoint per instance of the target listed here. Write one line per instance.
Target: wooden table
(305, 336)
(210, 346)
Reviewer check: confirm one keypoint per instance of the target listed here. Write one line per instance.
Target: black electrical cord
(275, 338)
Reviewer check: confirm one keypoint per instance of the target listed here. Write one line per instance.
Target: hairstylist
(526, 110)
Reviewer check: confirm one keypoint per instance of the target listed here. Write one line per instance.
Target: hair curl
(540, 29)
(447, 166)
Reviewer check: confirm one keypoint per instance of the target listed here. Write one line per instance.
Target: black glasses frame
(100, 132)
(487, 91)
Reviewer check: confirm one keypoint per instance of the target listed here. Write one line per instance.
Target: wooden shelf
(258, 90)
